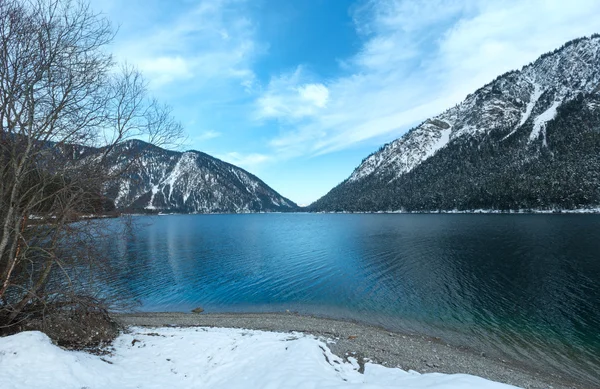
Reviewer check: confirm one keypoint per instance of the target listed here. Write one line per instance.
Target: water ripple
(524, 286)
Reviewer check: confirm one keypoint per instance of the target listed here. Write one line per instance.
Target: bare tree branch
(64, 107)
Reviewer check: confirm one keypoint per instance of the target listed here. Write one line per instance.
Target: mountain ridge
(187, 182)
(516, 108)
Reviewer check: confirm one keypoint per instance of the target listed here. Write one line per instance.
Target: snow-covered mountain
(511, 115)
(189, 182)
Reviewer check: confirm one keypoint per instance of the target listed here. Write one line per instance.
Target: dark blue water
(525, 287)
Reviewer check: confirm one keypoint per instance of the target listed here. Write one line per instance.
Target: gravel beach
(364, 342)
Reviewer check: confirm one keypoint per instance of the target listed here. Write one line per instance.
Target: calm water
(522, 286)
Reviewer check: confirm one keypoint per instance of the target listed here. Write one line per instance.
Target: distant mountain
(530, 139)
(189, 182)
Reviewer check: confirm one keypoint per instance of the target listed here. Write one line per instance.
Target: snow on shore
(205, 358)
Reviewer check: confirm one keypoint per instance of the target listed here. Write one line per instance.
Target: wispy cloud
(416, 60)
(291, 96)
(211, 60)
(251, 161)
(206, 135)
(164, 70)
(205, 42)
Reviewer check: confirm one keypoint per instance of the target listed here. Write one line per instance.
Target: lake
(525, 287)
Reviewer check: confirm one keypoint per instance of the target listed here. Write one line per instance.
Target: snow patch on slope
(185, 162)
(535, 96)
(406, 153)
(205, 358)
(539, 124)
(442, 140)
(124, 188)
(154, 191)
(190, 182)
(533, 99)
(567, 72)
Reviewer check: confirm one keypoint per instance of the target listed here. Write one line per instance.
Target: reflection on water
(527, 286)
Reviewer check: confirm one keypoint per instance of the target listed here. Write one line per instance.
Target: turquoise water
(520, 286)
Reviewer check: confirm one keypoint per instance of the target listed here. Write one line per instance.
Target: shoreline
(367, 343)
(577, 211)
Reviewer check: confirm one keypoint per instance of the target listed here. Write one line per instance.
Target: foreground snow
(204, 358)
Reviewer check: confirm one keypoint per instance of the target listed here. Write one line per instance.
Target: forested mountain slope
(189, 182)
(528, 140)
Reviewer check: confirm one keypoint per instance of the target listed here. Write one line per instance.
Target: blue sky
(298, 92)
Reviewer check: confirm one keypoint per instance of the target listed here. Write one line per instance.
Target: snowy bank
(205, 358)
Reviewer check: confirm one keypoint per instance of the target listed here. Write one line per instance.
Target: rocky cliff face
(514, 143)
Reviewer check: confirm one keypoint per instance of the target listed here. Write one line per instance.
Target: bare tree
(65, 107)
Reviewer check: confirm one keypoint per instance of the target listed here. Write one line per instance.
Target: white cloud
(206, 42)
(315, 94)
(207, 135)
(417, 59)
(164, 70)
(249, 161)
(291, 96)
(502, 37)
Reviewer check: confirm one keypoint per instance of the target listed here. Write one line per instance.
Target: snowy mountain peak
(529, 97)
(189, 182)
(527, 140)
